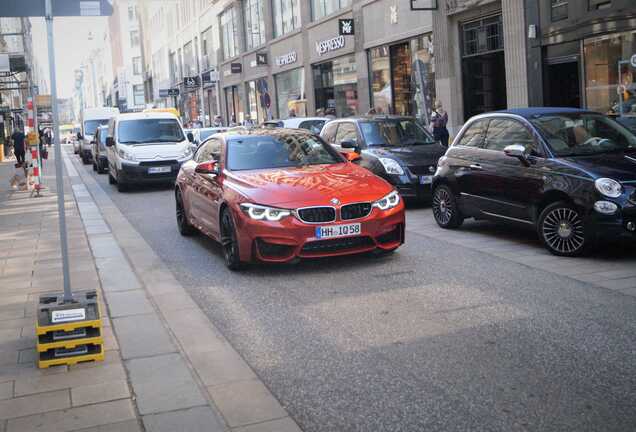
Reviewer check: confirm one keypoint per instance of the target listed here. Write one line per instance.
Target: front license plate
(335, 231)
(426, 179)
(159, 169)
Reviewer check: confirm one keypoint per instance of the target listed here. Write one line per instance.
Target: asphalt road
(437, 337)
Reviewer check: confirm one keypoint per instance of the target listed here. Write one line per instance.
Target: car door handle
(476, 167)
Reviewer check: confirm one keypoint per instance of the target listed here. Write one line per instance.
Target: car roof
(539, 111)
(376, 117)
(264, 132)
(146, 115)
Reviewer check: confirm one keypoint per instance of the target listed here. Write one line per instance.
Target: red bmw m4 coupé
(277, 195)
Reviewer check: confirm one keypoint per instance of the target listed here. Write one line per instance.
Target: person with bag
(18, 139)
(439, 119)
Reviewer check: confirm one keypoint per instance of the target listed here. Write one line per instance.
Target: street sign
(345, 27)
(236, 67)
(632, 61)
(27, 8)
(168, 92)
(191, 82)
(261, 59)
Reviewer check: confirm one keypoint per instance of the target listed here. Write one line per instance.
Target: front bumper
(610, 227)
(131, 172)
(412, 186)
(291, 239)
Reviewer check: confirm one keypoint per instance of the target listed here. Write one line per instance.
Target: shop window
(229, 33)
(254, 13)
(559, 10)
(608, 89)
(322, 8)
(594, 5)
(286, 15)
(423, 81)
(336, 87)
(290, 94)
(381, 93)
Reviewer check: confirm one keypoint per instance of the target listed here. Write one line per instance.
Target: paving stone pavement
(166, 369)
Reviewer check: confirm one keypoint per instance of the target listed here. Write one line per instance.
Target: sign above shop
(423, 5)
(261, 59)
(168, 92)
(191, 82)
(345, 27)
(632, 61)
(333, 44)
(286, 59)
(210, 77)
(236, 67)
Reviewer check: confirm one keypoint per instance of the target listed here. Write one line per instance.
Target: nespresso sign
(286, 59)
(333, 44)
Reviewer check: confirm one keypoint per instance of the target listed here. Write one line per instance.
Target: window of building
(483, 36)
(172, 61)
(229, 33)
(134, 38)
(131, 13)
(594, 5)
(258, 97)
(189, 62)
(136, 61)
(322, 8)
(559, 9)
(286, 16)
(290, 94)
(138, 94)
(254, 13)
(380, 66)
(336, 87)
(207, 52)
(608, 89)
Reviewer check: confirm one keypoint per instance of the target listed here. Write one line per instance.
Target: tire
(94, 166)
(100, 168)
(111, 179)
(185, 228)
(445, 208)
(121, 186)
(563, 231)
(229, 242)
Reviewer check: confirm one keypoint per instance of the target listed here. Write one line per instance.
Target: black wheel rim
(180, 211)
(228, 239)
(563, 230)
(442, 206)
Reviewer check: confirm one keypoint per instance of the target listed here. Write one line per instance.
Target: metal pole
(68, 296)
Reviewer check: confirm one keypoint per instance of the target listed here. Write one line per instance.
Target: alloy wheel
(442, 207)
(563, 230)
(228, 239)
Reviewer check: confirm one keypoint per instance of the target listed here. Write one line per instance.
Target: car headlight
(609, 187)
(187, 152)
(259, 212)
(388, 202)
(126, 155)
(391, 166)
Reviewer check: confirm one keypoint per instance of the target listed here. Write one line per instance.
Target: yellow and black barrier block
(69, 332)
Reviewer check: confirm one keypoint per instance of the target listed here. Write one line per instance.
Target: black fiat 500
(396, 148)
(570, 173)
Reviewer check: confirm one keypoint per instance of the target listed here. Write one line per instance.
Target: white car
(147, 147)
(313, 124)
(92, 118)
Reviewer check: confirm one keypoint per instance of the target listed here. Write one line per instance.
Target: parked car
(146, 147)
(98, 152)
(398, 149)
(313, 124)
(204, 133)
(92, 118)
(277, 195)
(569, 173)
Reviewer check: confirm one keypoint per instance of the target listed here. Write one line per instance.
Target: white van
(92, 118)
(146, 147)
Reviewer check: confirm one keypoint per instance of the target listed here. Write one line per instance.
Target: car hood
(618, 166)
(157, 151)
(309, 186)
(412, 155)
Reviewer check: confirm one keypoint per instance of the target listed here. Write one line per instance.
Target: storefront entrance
(563, 84)
(483, 66)
(336, 87)
(233, 105)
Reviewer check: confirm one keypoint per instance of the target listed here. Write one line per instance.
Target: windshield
(278, 151)
(581, 134)
(90, 126)
(394, 133)
(145, 131)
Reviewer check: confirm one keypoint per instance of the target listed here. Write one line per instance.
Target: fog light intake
(605, 207)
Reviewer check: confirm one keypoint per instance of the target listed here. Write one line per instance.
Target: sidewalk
(167, 367)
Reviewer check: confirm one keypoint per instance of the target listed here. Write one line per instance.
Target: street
(475, 329)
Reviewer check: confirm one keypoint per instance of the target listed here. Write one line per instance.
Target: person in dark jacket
(18, 139)
(439, 119)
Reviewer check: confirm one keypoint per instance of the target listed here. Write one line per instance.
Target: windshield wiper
(131, 142)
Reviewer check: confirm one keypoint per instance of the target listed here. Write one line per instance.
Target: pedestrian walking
(18, 139)
(248, 122)
(218, 121)
(439, 119)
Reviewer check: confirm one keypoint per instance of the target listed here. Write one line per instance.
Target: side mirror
(190, 137)
(517, 151)
(210, 167)
(110, 141)
(348, 144)
(351, 156)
